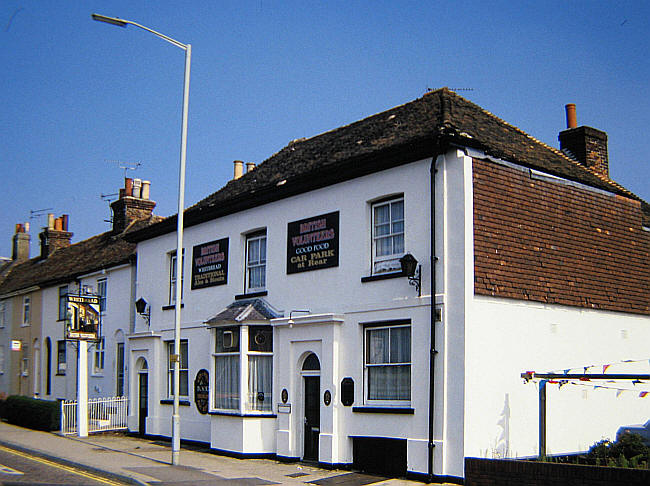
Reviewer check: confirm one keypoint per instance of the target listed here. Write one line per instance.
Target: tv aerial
(125, 165)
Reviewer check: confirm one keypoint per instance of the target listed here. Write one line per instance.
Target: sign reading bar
(210, 264)
(313, 243)
(82, 317)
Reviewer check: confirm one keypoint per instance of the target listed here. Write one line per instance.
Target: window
(388, 363)
(2, 359)
(253, 358)
(26, 309)
(172, 277)
(183, 382)
(48, 366)
(2, 314)
(60, 358)
(63, 302)
(119, 372)
(226, 366)
(24, 363)
(387, 235)
(101, 292)
(255, 262)
(98, 364)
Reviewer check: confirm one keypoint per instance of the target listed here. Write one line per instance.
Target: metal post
(176, 437)
(542, 420)
(82, 388)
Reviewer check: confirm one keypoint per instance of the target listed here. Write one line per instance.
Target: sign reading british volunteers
(313, 243)
(210, 264)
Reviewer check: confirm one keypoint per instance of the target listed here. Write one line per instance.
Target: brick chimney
(55, 235)
(21, 241)
(134, 204)
(587, 145)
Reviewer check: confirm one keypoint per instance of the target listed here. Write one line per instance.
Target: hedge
(32, 413)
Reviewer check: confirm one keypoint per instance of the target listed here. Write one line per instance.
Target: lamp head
(409, 264)
(141, 305)
(109, 20)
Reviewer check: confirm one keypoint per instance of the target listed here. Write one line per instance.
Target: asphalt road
(18, 468)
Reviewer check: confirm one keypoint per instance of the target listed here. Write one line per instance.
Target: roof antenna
(37, 213)
(109, 198)
(125, 165)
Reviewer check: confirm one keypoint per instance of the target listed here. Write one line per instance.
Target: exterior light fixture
(141, 308)
(413, 271)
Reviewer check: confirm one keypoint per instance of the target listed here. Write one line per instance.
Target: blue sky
(78, 95)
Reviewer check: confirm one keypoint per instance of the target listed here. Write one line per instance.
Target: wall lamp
(412, 271)
(143, 309)
(303, 311)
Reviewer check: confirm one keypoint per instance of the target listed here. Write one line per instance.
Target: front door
(143, 399)
(312, 417)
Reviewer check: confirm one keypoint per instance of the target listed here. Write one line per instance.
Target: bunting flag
(643, 394)
(619, 393)
(605, 367)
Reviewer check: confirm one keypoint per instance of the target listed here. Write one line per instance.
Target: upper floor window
(255, 262)
(183, 382)
(26, 310)
(101, 292)
(387, 235)
(388, 363)
(63, 302)
(172, 277)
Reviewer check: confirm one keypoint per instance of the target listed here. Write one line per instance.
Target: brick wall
(555, 243)
(497, 472)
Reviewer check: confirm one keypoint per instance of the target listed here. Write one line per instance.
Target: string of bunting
(604, 367)
(619, 391)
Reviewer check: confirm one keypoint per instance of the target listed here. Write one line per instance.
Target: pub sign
(82, 317)
(210, 264)
(313, 243)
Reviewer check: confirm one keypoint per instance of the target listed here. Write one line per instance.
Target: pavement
(143, 461)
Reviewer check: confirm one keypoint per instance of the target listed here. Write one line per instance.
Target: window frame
(257, 236)
(63, 302)
(99, 356)
(222, 354)
(393, 257)
(102, 290)
(26, 314)
(61, 352)
(173, 279)
(119, 369)
(184, 371)
(379, 326)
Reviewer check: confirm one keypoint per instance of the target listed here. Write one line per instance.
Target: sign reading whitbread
(82, 317)
(210, 264)
(313, 243)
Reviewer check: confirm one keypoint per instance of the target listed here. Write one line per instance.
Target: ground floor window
(183, 381)
(388, 362)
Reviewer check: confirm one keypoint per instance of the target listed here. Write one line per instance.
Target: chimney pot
(250, 166)
(50, 221)
(128, 186)
(58, 224)
(64, 221)
(571, 118)
(146, 186)
(239, 169)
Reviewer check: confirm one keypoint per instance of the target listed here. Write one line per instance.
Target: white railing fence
(103, 414)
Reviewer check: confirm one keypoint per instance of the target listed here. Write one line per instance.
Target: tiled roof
(245, 311)
(102, 251)
(415, 130)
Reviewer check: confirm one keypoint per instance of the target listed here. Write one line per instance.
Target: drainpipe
(440, 149)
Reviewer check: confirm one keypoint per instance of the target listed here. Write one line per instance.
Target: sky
(83, 99)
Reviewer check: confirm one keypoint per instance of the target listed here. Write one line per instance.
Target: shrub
(3, 398)
(32, 413)
(628, 451)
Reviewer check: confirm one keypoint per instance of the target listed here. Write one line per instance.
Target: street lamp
(176, 422)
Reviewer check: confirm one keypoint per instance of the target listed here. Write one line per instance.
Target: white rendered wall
(506, 338)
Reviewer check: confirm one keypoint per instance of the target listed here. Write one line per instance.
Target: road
(18, 467)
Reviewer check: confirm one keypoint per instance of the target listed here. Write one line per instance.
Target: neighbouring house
(305, 335)
(33, 295)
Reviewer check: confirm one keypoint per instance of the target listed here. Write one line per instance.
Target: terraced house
(33, 295)
(370, 296)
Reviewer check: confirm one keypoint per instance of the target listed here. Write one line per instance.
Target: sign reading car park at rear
(313, 243)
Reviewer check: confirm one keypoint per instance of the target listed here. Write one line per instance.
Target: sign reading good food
(313, 243)
(210, 264)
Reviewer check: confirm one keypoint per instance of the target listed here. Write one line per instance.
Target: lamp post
(176, 438)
